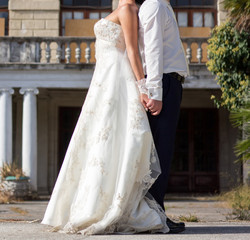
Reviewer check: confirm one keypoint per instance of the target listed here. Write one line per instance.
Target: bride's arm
(128, 18)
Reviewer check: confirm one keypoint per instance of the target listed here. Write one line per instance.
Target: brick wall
(34, 17)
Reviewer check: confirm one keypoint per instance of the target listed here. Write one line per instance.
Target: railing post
(58, 52)
(38, 51)
(87, 53)
(48, 52)
(68, 52)
(8, 51)
(78, 52)
(189, 52)
(199, 52)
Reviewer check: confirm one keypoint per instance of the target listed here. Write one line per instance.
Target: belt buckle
(178, 77)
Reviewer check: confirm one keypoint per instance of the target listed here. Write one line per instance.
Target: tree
(229, 60)
(241, 119)
(239, 11)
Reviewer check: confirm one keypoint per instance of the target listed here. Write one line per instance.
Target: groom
(165, 67)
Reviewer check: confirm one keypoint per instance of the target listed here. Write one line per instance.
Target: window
(192, 3)
(4, 13)
(85, 3)
(195, 13)
(4, 3)
(84, 9)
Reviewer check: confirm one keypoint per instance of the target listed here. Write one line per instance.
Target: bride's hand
(144, 100)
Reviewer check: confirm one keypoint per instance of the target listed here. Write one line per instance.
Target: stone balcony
(31, 56)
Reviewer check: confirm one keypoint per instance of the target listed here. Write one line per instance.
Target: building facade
(46, 65)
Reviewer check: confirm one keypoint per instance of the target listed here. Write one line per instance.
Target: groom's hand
(144, 100)
(154, 106)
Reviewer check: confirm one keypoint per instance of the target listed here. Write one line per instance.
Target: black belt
(177, 76)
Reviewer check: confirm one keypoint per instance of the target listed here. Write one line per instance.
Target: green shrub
(228, 53)
(190, 218)
(239, 200)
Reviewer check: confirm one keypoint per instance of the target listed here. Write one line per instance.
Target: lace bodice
(109, 33)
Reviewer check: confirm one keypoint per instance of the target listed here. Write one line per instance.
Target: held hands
(144, 100)
(154, 106)
(151, 105)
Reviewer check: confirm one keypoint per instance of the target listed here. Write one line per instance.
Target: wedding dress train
(111, 161)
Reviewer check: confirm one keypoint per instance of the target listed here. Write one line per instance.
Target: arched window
(195, 13)
(4, 14)
(83, 9)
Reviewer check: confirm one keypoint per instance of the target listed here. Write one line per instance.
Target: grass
(239, 200)
(190, 218)
(11, 170)
(5, 197)
(19, 210)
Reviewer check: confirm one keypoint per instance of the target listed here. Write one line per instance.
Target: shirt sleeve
(152, 19)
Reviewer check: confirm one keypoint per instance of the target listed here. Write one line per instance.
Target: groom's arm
(152, 20)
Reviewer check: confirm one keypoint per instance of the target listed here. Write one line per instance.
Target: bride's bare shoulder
(127, 9)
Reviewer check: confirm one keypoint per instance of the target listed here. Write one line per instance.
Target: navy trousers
(163, 127)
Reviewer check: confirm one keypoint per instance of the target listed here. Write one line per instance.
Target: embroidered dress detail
(111, 160)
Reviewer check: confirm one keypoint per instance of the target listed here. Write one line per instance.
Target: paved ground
(22, 221)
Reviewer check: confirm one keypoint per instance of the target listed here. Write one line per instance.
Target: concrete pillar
(115, 4)
(246, 173)
(29, 139)
(6, 125)
(222, 14)
(246, 164)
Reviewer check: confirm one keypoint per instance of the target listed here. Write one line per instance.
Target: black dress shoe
(175, 223)
(175, 227)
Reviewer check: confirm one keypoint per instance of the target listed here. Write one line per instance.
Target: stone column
(6, 125)
(29, 139)
(115, 4)
(246, 173)
(222, 14)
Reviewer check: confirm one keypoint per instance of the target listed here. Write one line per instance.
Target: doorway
(195, 164)
(68, 117)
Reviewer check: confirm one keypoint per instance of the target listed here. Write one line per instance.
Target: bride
(111, 161)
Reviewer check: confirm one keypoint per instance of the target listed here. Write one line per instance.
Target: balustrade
(40, 49)
(74, 50)
(198, 46)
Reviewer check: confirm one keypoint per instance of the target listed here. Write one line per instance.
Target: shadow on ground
(217, 229)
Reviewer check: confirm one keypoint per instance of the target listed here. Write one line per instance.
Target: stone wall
(34, 18)
(221, 12)
(115, 4)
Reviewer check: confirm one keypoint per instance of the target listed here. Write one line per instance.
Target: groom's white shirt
(160, 45)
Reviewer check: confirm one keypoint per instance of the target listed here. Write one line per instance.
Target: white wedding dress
(111, 161)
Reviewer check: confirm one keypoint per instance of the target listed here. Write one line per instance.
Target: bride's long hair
(139, 1)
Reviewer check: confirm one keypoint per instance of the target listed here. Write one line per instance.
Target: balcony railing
(74, 50)
(196, 49)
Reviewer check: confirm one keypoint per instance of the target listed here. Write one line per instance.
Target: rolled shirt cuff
(155, 93)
